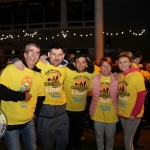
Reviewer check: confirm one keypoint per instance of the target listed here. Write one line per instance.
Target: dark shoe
(92, 130)
(146, 125)
(140, 147)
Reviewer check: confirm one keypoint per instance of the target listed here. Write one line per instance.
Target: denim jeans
(12, 138)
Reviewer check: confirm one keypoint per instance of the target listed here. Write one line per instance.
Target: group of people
(55, 91)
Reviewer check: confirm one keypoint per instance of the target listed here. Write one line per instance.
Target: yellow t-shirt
(146, 74)
(22, 111)
(105, 111)
(97, 68)
(129, 86)
(53, 83)
(76, 89)
(134, 65)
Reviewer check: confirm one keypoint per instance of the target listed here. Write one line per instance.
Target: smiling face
(56, 56)
(124, 63)
(105, 68)
(31, 56)
(80, 64)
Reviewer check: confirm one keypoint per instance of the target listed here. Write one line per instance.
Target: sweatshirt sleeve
(39, 105)
(7, 94)
(139, 103)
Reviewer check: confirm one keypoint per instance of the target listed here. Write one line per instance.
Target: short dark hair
(136, 54)
(56, 46)
(106, 59)
(76, 56)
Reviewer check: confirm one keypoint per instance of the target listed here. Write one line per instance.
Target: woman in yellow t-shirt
(131, 99)
(104, 104)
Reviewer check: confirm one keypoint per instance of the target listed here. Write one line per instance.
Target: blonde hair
(127, 53)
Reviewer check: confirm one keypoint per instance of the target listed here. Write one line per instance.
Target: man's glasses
(31, 52)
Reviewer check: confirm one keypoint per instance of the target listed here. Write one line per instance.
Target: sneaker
(140, 147)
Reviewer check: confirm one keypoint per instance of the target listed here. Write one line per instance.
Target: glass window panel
(75, 12)
(52, 14)
(35, 15)
(20, 16)
(5, 17)
(89, 12)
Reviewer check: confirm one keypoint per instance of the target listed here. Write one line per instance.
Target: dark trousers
(76, 120)
(90, 121)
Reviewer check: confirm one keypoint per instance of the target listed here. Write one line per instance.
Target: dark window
(74, 24)
(20, 16)
(75, 12)
(77, 51)
(88, 11)
(19, 27)
(35, 15)
(5, 17)
(52, 14)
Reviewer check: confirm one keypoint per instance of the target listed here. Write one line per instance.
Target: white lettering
(123, 98)
(53, 89)
(6, 6)
(36, 3)
(105, 100)
(78, 93)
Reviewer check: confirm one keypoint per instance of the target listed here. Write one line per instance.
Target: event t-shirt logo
(26, 84)
(53, 85)
(80, 88)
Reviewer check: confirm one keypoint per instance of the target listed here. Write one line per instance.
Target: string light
(28, 36)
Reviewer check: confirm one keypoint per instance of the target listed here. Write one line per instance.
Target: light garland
(27, 36)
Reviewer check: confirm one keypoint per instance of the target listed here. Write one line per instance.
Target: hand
(116, 75)
(19, 65)
(132, 117)
(43, 58)
(28, 96)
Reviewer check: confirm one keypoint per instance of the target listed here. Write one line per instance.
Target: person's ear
(49, 54)
(63, 55)
(25, 55)
(86, 65)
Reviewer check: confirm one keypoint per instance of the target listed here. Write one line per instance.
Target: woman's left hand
(132, 117)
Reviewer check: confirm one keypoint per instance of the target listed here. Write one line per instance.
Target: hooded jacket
(95, 90)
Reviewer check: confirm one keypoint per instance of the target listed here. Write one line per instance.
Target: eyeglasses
(30, 52)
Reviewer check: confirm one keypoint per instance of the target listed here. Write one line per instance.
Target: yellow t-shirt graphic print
(129, 86)
(105, 111)
(26, 84)
(76, 88)
(53, 82)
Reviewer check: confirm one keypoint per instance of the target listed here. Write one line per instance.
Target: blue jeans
(12, 138)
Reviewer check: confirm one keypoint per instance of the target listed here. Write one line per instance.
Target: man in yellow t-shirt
(79, 72)
(53, 121)
(22, 94)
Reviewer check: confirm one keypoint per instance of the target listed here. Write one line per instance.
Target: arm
(18, 63)
(138, 105)
(11, 95)
(39, 105)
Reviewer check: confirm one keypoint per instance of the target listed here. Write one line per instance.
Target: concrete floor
(89, 141)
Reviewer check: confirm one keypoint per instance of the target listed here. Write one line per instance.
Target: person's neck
(30, 66)
(105, 74)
